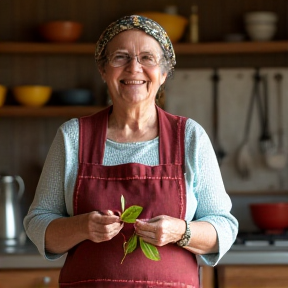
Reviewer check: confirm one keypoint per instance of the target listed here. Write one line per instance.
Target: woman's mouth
(132, 82)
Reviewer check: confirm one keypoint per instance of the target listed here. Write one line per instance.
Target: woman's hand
(160, 230)
(64, 233)
(163, 229)
(103, 225)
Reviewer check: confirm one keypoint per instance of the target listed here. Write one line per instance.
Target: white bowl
(261, 32)
(260, 17)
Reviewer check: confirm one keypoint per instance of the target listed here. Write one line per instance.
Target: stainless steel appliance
(261, 241)
(11, 227)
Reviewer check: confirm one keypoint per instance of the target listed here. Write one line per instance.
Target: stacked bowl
(261, 25)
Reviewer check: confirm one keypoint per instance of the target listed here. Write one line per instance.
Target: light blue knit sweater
(207, 199)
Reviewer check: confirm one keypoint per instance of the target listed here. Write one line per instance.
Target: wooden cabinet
(252, 276)
(29, 278)
(207, 278)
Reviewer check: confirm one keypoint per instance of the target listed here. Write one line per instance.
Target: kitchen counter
(27, 256)
(245, 255)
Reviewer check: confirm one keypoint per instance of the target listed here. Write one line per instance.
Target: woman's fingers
(160, 230)
(103, 226)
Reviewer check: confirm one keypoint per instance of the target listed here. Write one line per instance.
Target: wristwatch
(184, 241)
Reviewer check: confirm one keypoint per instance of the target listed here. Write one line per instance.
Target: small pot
(270, 216)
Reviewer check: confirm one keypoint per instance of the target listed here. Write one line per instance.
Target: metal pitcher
(11, 191)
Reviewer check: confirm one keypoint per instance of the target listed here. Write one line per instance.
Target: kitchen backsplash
(190, 93)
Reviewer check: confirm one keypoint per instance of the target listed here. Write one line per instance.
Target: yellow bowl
(34, 96)
(3, 91)
(174, 25)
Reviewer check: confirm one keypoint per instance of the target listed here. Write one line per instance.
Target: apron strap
(92, 151)
(171, 137)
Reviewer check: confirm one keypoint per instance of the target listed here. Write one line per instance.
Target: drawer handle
(44, 283)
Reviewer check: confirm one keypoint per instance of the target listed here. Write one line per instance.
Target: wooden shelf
(232, 48)
(180, 48)
(48, 111)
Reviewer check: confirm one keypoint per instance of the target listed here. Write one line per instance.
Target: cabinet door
(253, 276)
(206, 277)
(28, 278)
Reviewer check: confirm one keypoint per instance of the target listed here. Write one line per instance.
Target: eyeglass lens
(121, 59)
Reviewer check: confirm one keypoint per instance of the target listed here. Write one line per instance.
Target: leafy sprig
(130, 215)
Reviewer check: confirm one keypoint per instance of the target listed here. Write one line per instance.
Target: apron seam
(149, 282)
(130, 178)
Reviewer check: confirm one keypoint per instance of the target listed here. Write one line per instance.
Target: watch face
(186, 236)
(184, 241)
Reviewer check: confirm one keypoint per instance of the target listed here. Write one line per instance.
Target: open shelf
(48, 111)
(232, 48)
(180, 48)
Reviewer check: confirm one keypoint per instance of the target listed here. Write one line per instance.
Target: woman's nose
(134, 64)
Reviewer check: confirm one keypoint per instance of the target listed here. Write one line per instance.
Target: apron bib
(160, 190)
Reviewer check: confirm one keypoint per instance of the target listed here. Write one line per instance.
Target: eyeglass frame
(130, 58)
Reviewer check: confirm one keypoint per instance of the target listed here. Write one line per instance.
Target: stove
(258, 241)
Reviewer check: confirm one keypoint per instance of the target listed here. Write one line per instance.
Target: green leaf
(130, 214)
(130, 246)
(149, 250)
(122, 203)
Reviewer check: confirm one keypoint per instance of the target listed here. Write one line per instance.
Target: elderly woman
(135, 151)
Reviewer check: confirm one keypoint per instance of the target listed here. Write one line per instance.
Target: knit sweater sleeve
(55, 187)
(205, 182)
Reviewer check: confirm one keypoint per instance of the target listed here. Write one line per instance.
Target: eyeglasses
(119, 59)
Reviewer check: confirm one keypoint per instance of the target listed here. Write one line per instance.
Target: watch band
(184, 241)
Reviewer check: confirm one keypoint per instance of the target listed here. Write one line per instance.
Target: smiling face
(133, 83)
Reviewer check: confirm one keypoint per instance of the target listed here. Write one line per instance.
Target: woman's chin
(134, 98)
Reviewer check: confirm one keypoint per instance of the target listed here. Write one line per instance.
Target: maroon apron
(160, 190)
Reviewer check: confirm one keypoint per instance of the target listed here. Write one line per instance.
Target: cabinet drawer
(252, 276)
(29, 278)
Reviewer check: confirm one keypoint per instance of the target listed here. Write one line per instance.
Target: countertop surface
(27, 256)
(245, 255)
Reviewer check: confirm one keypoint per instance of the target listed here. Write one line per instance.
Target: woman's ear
(163, 78)
(102, 72)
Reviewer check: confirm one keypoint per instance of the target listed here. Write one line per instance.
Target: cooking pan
(270, 216)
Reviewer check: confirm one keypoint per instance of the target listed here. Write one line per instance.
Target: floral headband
(149, 26)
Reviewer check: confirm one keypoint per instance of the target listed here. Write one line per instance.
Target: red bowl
(270, 216)
(61, 31)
